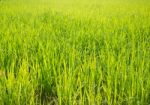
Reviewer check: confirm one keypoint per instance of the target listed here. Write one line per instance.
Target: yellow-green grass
(77, 52)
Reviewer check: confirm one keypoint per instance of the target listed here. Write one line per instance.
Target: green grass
(75, 52)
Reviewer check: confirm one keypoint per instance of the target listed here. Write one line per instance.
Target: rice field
(74, 52)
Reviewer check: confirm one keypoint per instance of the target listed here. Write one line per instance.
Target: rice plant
(80, 52)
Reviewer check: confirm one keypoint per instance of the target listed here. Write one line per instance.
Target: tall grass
(74, 52)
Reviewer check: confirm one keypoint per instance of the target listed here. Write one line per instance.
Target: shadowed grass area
(74, 52)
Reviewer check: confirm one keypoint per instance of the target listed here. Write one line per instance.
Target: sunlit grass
(74, 52)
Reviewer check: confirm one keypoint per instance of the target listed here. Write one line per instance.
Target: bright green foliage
(75, 52)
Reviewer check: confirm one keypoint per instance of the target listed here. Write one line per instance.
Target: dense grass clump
(75, 52)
